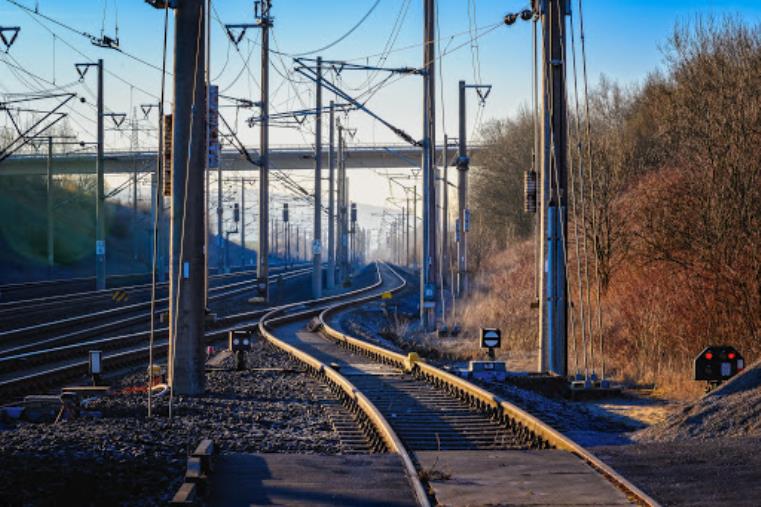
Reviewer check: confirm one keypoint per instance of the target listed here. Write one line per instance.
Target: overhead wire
(32, 14)
(36, 12)
(340, 39)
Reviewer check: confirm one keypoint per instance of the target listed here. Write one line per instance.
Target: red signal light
(709, 355)
(731, 355)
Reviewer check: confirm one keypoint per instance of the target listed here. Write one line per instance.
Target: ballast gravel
(118, 456)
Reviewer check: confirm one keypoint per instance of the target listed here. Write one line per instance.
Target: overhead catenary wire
(32, 14)
(36, 12)
(337, 41)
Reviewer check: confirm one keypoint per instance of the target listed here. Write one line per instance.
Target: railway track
(103, 323)
(42, 288)
(53, 307)
(28, 369)
(423, 414)
(18, 291)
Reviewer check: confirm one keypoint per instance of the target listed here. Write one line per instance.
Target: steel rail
(68, 322)
(356, 397)
(69, 297)
(487, 401)
(25, 349)
(122, 356)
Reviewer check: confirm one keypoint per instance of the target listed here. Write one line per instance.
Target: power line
(93, 39)
(340, 39)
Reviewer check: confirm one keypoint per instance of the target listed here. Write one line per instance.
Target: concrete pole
(341, 207)
(100, 195)
(221, 265)
(276, 234)
(445, 214)
(407, 232)
(414, 227)
(262, 262)
(317, 244)
(134, 144)
(331, 276)
(186, 288)
(49, 202)
(161, 236)
(463, 165)
(553, 300)
(244, 253)
(429, 267)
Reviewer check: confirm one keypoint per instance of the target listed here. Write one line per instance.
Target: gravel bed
(733, 410)
(691, 472)
(121, 457)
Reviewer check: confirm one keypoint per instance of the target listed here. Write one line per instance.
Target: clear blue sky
(623, 40)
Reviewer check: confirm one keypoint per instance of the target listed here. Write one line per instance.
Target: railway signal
(240, 341)
(716, 364)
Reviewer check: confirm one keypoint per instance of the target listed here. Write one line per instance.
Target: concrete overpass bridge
(281, 158)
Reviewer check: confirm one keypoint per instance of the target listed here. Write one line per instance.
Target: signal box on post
(718, 363)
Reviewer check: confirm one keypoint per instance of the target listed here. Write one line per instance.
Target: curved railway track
(411, 408)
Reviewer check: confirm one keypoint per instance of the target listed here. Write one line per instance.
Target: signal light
(731, 355)
(709, 355)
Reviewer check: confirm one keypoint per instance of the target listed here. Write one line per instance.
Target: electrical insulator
(529, 191)
(236, 212)
(353, 212)
(285, 212)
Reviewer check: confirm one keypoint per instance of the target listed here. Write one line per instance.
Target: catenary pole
(554, 290)
(262, 260)
(331, 276)
(244, 252)
(463, 165)
(100, 196)
(49, 202)
(316, 241)
(429, 265)
(186, 289)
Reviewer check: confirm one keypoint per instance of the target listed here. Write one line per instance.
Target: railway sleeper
(495, 414)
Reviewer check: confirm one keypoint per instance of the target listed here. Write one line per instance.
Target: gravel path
(690, 472)
(733, 410)
(124, 458)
